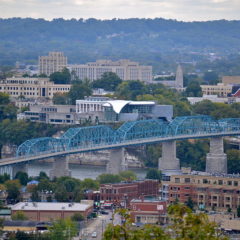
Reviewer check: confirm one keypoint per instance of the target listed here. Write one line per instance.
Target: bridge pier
(19, 167)
(169, 160)
(60, 167)
(117, 161)
(216, 161)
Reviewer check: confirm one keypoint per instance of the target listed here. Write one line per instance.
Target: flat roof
(50, 206)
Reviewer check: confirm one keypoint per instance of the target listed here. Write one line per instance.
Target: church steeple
(179, 77)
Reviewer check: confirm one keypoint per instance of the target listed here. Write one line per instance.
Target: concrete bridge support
(60, 167)
(117, 161)
(216, 161)
(169, 160)
(19, 167)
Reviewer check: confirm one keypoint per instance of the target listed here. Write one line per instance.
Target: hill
(146, 40)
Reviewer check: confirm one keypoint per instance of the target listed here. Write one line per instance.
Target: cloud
(187, 10)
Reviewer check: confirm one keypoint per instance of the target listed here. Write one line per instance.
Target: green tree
(13, 190)
(63, 77)
(89, 183)
(153, 173)
(108, 178)
(109, 81)
(19, 215)
(60, 98)
(190, 203)
(193, 89)
(211, 77)
(238, 211)
(63, 230)
(4, 98)
(22, 177)
(233, 161)
(128, 175)
(77, 217)
(78, 91)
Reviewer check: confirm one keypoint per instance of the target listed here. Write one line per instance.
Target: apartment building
(217, 192)
(221, 90)
(125, 69)
(126, 191)
(54, 62)
(32, 87)
(231, 80)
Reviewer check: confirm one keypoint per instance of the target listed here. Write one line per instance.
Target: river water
(78, 171)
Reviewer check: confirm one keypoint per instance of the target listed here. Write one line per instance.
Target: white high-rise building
(54, 62)
(125, 69)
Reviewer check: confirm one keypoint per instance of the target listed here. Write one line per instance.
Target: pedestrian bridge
(102, 137)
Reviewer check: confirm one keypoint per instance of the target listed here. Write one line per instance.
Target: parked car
(94, 234)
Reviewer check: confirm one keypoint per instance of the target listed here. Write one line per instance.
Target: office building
(33, 88)
(51, 114)
(49, 211)
(125, 69)
(231, 80)
(54, 62)
(208, 191)
(220, 90)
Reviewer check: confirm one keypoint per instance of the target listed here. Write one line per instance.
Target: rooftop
(50, 206)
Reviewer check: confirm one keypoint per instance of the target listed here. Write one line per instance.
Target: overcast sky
(186, 10)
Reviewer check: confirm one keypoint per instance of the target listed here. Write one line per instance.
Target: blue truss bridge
(102, 137)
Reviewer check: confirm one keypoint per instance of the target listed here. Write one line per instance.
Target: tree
(109, 81)
(22, 177)
(4, 98)
(63, 77)
(63, 229)
(153, 173)
(108, 178)
(79, 91)
(190, 203)
(233, 161)
(193, 89)
(238, 211)
(60, 98)
(89, 183)
(77, 217)
(128, 176)
(211, 77)
(19, 215)
(13, 190)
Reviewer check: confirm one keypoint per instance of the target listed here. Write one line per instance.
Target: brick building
(217, 192)
(148, 211)
(125, 192)
(48, 211)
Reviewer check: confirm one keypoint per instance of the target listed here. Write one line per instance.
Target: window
(220, 182)
(177, 180)
(187, 180)
(229, 183)
(205, 181)
(235, 183)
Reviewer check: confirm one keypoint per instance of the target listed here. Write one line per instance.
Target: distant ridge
(86, 40)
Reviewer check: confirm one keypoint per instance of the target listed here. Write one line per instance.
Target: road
(98, 225)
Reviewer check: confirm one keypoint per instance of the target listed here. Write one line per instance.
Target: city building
(212, 98)
(148, 211)
(49, 211)
(51, 114)
(220, 90)
(176, 83)
(208, 191)
(231, 80)
(34, 88)
(104, 109)
(54, 62)
(125, 69)
(124, 192)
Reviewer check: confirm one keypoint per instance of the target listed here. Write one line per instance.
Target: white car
(94, 234)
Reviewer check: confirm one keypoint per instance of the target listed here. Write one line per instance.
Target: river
(78, 171)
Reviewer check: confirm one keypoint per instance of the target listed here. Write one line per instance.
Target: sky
(184, 10)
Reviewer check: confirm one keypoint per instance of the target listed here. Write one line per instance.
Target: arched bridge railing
(142, 129)
(87, 136)
(40, 145)
(101, 135)
(190, 125)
